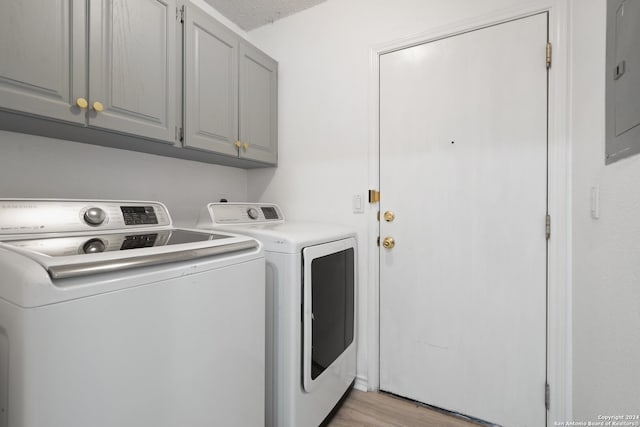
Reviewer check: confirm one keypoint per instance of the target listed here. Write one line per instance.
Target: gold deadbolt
(389, 216)
(82, 103)
(238, 144)
(245, 146)
(98, 106)
(388, 242)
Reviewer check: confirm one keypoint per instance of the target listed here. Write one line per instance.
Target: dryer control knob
(253, 213)
(93, 246)
(94, 216)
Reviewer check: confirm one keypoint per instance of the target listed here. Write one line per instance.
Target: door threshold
(444, 411)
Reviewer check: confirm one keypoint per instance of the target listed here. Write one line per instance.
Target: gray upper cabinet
(210, 84)
(230, 92)
(132, 71)
(258, 105)
(124, 81)
(126, 74)
(42, 57)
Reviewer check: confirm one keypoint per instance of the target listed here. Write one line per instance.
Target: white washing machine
(110, 316)
(311, 294)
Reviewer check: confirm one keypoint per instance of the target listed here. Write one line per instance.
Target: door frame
(559, 275)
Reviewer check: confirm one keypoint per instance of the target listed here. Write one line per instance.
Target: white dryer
(311, 293)
(110, 316)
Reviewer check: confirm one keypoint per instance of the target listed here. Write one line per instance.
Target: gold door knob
(389, 216)
(238, 144)
(245, 146)
(82, 103)
(98, 106)
(388, 242)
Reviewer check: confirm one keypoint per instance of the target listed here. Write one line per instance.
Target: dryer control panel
(240, 213)
(22, 216)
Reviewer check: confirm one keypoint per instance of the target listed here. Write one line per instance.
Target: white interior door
(463, 167)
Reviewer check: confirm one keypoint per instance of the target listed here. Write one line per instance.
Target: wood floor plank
(374, 409)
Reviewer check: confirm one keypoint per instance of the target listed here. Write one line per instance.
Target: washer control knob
(93, 246)
(94, 216)
(253, 213)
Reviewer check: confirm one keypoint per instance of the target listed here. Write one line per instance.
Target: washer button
(94, 216)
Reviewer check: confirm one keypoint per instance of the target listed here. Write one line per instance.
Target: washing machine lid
(90, 244)
(72, 238)
(83, 255)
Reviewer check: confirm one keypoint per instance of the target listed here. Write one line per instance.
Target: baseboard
(361, 384)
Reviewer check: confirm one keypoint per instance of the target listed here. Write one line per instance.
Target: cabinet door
(211, 84)
(43, 57)
(258, 105)
(132, 66)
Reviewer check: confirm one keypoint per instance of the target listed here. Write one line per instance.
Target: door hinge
(374, 196)
(547, 396)
(181, 134)
(547, 226)
(548, 55)
(378, 241)
(180, 14)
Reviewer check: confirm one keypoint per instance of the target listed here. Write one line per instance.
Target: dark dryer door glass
(332, 308)
(329, 292)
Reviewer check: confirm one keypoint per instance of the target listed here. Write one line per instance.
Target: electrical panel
(623, 79)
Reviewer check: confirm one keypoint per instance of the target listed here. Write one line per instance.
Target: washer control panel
(240, 213)
(23, 216)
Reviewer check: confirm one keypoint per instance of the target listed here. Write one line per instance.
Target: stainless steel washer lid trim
(83, 269)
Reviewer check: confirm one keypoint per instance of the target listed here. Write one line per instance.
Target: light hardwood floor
(383, 410)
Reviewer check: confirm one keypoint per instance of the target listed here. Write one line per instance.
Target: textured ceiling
(250, 14)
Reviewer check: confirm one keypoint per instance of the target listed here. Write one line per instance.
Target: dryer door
(328, 306)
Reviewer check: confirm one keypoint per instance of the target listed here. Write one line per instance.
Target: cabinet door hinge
(374, 196)
(547, 226)
(180, 14)
(547, 396)
(378, 241)
(548, 55)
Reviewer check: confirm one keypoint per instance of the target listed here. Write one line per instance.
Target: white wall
(606, 252)
(324, 102)
(33, 166)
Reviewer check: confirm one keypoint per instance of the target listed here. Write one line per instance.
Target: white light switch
(358, 204)
(595, 202)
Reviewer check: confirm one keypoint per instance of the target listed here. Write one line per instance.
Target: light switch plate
(358, 204)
